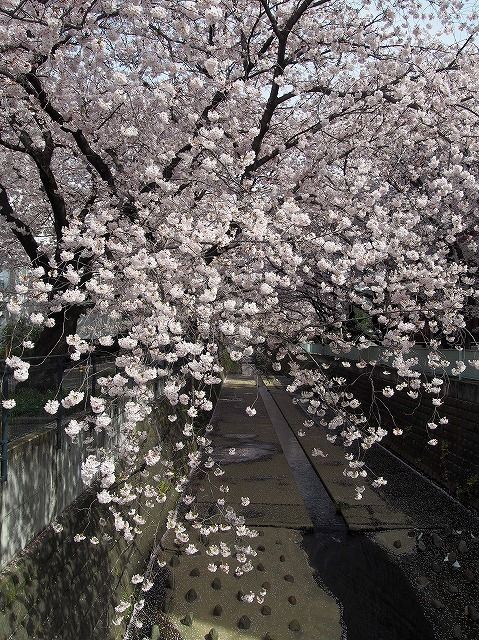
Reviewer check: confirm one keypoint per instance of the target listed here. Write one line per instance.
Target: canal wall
(57, 589)
(454, 461)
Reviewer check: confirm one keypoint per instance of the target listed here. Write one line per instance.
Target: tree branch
(22, 232)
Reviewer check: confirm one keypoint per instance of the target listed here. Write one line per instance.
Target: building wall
(42, 482)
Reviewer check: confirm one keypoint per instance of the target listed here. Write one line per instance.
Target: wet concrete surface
(246, 449)
(377, 600)
(438, 554)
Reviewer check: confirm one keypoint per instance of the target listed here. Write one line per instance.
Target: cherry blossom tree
(194, 175)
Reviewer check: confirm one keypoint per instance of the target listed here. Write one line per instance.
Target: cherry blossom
(236, 180)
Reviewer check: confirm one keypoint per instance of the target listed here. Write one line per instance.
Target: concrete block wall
(62, 590)
(376, 353)
(56, 589)
(454, 462)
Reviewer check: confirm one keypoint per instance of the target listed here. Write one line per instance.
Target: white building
(8, 280)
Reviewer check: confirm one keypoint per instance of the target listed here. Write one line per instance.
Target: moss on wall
(57, 589)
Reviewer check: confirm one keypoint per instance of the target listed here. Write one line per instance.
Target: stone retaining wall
(454, 462)
(57, 589)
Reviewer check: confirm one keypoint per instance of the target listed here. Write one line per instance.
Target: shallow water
(247, 448)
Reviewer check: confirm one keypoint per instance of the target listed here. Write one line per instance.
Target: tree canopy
(204, 175)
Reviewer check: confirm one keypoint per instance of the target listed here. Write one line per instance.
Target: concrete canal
(326, 567)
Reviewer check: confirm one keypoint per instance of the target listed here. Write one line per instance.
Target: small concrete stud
(294, 626)
(437, 540)
(212, 634)
(195, 572)
(462, 546)
(216, 584)
(191, 595)
(472, 613)
(265, 610)
(289, 578)
(292, 600)
(469, 575)
(168, 602)
(437, 567)
(244, 623)
(187, 620)
(218, 610)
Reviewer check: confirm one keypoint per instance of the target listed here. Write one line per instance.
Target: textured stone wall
(56, 589)
(62, 590)
(454, 462)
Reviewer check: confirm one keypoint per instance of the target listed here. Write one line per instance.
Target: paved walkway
(206, 605)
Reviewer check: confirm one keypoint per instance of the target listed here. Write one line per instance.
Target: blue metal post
(60, 373)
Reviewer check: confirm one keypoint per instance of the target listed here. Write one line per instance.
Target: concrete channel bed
(202, 604)
(331, 567)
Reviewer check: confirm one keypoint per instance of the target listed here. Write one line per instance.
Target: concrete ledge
(372, 513)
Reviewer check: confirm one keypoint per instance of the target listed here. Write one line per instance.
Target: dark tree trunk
(52, 340)
(46, 363)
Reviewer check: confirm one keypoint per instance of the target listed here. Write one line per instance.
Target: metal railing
(377, 354)
(51, 378)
